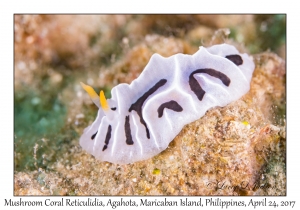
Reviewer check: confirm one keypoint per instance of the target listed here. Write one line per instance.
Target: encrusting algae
(239, 149)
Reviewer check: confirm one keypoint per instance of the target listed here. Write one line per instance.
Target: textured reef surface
(239, 149)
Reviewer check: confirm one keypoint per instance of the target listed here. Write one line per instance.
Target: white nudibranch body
(141, 119)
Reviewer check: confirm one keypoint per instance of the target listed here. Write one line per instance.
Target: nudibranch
(142, 118)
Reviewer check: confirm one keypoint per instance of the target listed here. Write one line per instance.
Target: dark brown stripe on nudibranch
(173, 105)
(107, 138)
(196, 87)
(236, 59)
(137, 106)
(128, 131)
(93, 136)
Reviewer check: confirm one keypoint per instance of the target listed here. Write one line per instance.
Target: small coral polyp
(142, 118)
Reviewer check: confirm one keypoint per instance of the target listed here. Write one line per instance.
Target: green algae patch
(38, 116)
